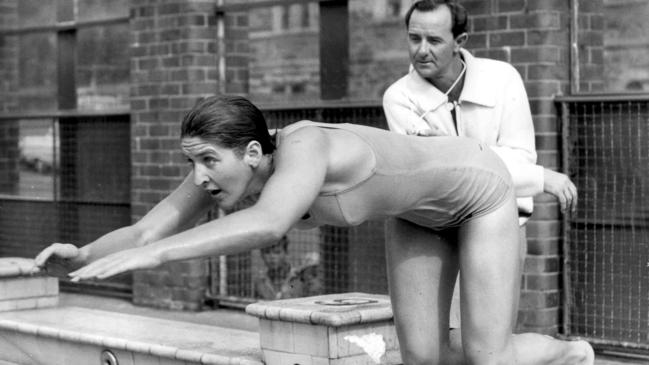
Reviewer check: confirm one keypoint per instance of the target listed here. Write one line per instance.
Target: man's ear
(253, 154)
(460, 41)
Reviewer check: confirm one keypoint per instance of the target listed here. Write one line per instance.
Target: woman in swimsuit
(344, 175)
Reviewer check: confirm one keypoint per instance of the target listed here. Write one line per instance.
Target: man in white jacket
(449, 92)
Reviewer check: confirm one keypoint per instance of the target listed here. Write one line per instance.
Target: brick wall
(237, 49)
(534, 36)
(173, 63)
(590, 40)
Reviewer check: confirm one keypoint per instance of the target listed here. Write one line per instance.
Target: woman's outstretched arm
(300, 169)
(182, 208)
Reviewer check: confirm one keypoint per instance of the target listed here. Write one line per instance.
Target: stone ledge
(21, 287)
(16, 266)
(130, 336)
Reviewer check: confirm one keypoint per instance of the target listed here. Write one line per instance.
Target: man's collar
(477, 82)
(427, 95)
(476, 87)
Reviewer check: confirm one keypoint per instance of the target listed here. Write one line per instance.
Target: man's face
(431, 44)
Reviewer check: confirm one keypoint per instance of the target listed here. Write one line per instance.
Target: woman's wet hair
(459, 15)
(229, 121)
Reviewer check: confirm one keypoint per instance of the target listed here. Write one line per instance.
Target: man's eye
(190, 162)
(209, 160)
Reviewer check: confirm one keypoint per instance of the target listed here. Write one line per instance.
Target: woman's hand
(117, 263)
(57, 258)
(559, 185)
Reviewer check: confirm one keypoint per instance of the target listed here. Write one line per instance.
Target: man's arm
(516, 147)
(515, 143)
(402, 117)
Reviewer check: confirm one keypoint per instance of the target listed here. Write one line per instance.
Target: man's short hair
(459, 17)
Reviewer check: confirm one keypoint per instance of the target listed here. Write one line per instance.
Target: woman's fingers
(60, 250)
(93, 270)
(115, 264)
(43, 256)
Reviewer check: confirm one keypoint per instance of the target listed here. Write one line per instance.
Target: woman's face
(218, 170)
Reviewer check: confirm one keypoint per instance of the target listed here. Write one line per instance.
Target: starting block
(337, 329)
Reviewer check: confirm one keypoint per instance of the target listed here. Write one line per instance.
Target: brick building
(113, 79)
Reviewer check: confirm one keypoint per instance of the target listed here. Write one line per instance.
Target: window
(612, 50)
(64, 124)
(285, 52)
(626, 45)
(52, 60)
(378, 46)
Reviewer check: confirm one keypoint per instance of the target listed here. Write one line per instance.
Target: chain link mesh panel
(70, 182)
(607, 240)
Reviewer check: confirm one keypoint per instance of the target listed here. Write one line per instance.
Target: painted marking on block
(372, 344)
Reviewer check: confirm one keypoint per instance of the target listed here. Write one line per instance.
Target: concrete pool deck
(228, 318)
(235, 319)
(77, 335)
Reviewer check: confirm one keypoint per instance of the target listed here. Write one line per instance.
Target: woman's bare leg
(490, 281)
(455, 332)
(422, 265)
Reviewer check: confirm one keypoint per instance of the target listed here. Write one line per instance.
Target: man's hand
(430, 132)
(559, 185)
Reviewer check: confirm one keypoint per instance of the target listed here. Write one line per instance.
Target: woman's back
(434, 182)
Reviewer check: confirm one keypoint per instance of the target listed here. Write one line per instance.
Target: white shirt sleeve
(515, 144)
(400, 114)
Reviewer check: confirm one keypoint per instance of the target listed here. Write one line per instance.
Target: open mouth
(214, 192)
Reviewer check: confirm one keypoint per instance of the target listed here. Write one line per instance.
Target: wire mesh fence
(607, 240)
(308, 262)
(65, 179)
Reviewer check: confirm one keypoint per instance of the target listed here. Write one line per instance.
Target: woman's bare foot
(589, 353)
(579, 352)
